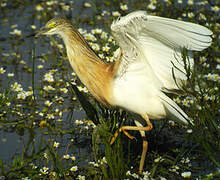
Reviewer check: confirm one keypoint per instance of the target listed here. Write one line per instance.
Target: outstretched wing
(157, 42)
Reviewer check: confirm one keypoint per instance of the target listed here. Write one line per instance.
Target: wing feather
(159, 40)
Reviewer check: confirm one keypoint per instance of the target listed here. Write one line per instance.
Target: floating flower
(44, 170)
(80, 177)
(189, 131)
(48, 103)
(33, 27)
(50, 116)
(115, 13)
(56, 144)
(123, 7)
(16, 87)
(26, 178)
(48, 77)
(78, 122)
(186, 174)
(22, 62)
(90, 37)
(151, 6)
(96, 31)
(21, 95)
(66, 156)
(105, 13)
(215, 8)
(66, 7)
(103, 160)
(39, 7)
(104, 35)
(190, 2)
(106, 48)
(10, 74)
(86, 4)
(64, 90)
(74, 168)
(159, 159)
(2, 71)
(45, 156)
(48, 88)
(135, 175)
(94, 46)
(16, 32)
(73, 158)
(128, 173)
(40, 66)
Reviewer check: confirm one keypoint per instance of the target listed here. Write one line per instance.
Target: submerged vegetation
(50, 126)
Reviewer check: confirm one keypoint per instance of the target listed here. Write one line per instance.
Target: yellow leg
(137, 128)
(116, 135)
(143, 155)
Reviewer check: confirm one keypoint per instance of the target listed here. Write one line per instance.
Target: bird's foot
(116, 135)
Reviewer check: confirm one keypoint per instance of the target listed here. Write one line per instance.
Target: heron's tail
(174, 111)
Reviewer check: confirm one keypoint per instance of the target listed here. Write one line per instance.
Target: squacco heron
(149, 48)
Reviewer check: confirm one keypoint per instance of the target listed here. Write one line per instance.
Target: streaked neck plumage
(94, 73)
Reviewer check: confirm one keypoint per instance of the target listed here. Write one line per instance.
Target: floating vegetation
(50, 126)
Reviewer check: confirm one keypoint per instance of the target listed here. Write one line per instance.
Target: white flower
(96, 31)
(86, 4)
(48, 88)
(33, 27)
(151, 6)
(215, 8)
(64, 90)
(159, 159)
(80, 177)
(128, 173)
(2, 71)
(104, 35)
(66, 156)
(10, 74)
(56, 144)
(39, 7)
(190, 2)
(16, 87)
(189, 131)
(44, 170)
(40, 66)
(50, 116)
(45, 156)
(21, 95)
(106, 48)
(90, 37)
(74, 168)
(135, 175)
(186, 174)
(48, 103)
(115, 13)
(73, 158)
(94, 46)
(16, 32)
(123, 7)
(48, 77)
(78, 122)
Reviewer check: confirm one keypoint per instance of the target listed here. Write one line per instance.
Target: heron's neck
(94, 73)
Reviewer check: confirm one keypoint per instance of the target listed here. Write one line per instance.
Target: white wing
(159, 41)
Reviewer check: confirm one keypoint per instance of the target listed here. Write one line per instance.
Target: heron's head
(54, 26)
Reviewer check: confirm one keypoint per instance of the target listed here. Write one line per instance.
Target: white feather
(149, 47)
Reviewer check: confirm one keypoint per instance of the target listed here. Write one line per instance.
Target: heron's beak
(42, 31)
